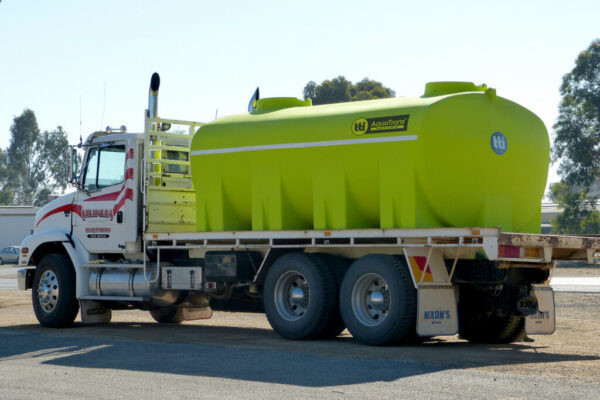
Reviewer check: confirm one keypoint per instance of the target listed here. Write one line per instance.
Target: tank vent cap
(278, 103)
(443, 88)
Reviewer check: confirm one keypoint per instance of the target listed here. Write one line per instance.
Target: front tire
(378, 300)
(53, 292)
(300, 296)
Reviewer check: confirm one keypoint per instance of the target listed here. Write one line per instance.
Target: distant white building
(16, 223)
(549, 212)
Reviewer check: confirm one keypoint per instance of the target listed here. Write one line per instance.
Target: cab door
(106, 204)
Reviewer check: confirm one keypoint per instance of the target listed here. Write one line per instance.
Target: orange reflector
(155, 236)
(533, 252)
(327, 233)
(475, 232)
(24, 250)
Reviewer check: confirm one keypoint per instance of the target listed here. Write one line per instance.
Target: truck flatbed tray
(498, 245)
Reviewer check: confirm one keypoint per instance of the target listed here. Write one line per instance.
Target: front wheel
(53, 292)
(378, 300)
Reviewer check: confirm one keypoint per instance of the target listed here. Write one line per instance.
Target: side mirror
(73, 167)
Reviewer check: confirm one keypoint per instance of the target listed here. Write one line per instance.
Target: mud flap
(194, 313)
(543, 322)
(437, 312)
(94, 312)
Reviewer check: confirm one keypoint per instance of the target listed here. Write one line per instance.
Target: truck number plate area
(181, 278)
(437, 313)
(543, 322)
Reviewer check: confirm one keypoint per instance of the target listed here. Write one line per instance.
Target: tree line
(34, 165)
(577, 146)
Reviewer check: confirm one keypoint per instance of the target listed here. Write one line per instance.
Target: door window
(105, 167)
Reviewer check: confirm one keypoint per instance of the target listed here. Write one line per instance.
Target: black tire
(479, 324)
(53, 292)
(168, 315)
(378, 300)
(339, 267)
(491, 329)
(1, 261)
(300, 296)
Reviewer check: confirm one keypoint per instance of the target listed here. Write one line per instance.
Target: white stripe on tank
(304, 145)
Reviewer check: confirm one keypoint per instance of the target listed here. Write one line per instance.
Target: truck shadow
(254, 354)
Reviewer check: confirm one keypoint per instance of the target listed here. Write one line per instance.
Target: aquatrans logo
(396, 123)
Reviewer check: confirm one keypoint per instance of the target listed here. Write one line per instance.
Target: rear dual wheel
(378, 300)
(168, 315)
(301, 296)
(312, 296)
(479, 322)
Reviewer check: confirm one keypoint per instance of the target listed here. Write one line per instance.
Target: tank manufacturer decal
(499, 143)
(396, 123)
(305, 145)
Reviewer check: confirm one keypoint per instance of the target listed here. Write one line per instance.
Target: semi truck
(396, 219)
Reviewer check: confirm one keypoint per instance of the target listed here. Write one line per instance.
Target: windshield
(105, 167)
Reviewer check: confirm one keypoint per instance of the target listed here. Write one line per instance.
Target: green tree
(6, 194)
(368, 89)
(339, 90)
(35, 162)
(579, 214)
(577, 144)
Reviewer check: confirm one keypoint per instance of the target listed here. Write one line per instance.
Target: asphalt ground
(63, 366)
(237, 355)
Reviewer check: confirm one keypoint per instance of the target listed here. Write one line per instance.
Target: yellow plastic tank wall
(458, 156)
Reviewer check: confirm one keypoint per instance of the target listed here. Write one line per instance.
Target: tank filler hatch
(443, 88)
(279, 103)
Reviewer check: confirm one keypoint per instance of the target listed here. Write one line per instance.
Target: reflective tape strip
(305, 145)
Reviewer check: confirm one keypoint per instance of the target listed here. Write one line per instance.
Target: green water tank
(459, 156)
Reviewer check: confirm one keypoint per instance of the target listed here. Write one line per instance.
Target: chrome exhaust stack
(153, 96)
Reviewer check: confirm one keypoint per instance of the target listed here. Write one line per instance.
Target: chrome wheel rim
(47, 291)
(371, 299)
(292, 295)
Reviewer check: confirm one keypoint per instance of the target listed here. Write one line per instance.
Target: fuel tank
(457, 156)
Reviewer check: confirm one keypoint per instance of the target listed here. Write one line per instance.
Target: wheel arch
(48, 248)
(54, 241)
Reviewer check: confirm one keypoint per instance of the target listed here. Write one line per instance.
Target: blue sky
(212, 55)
